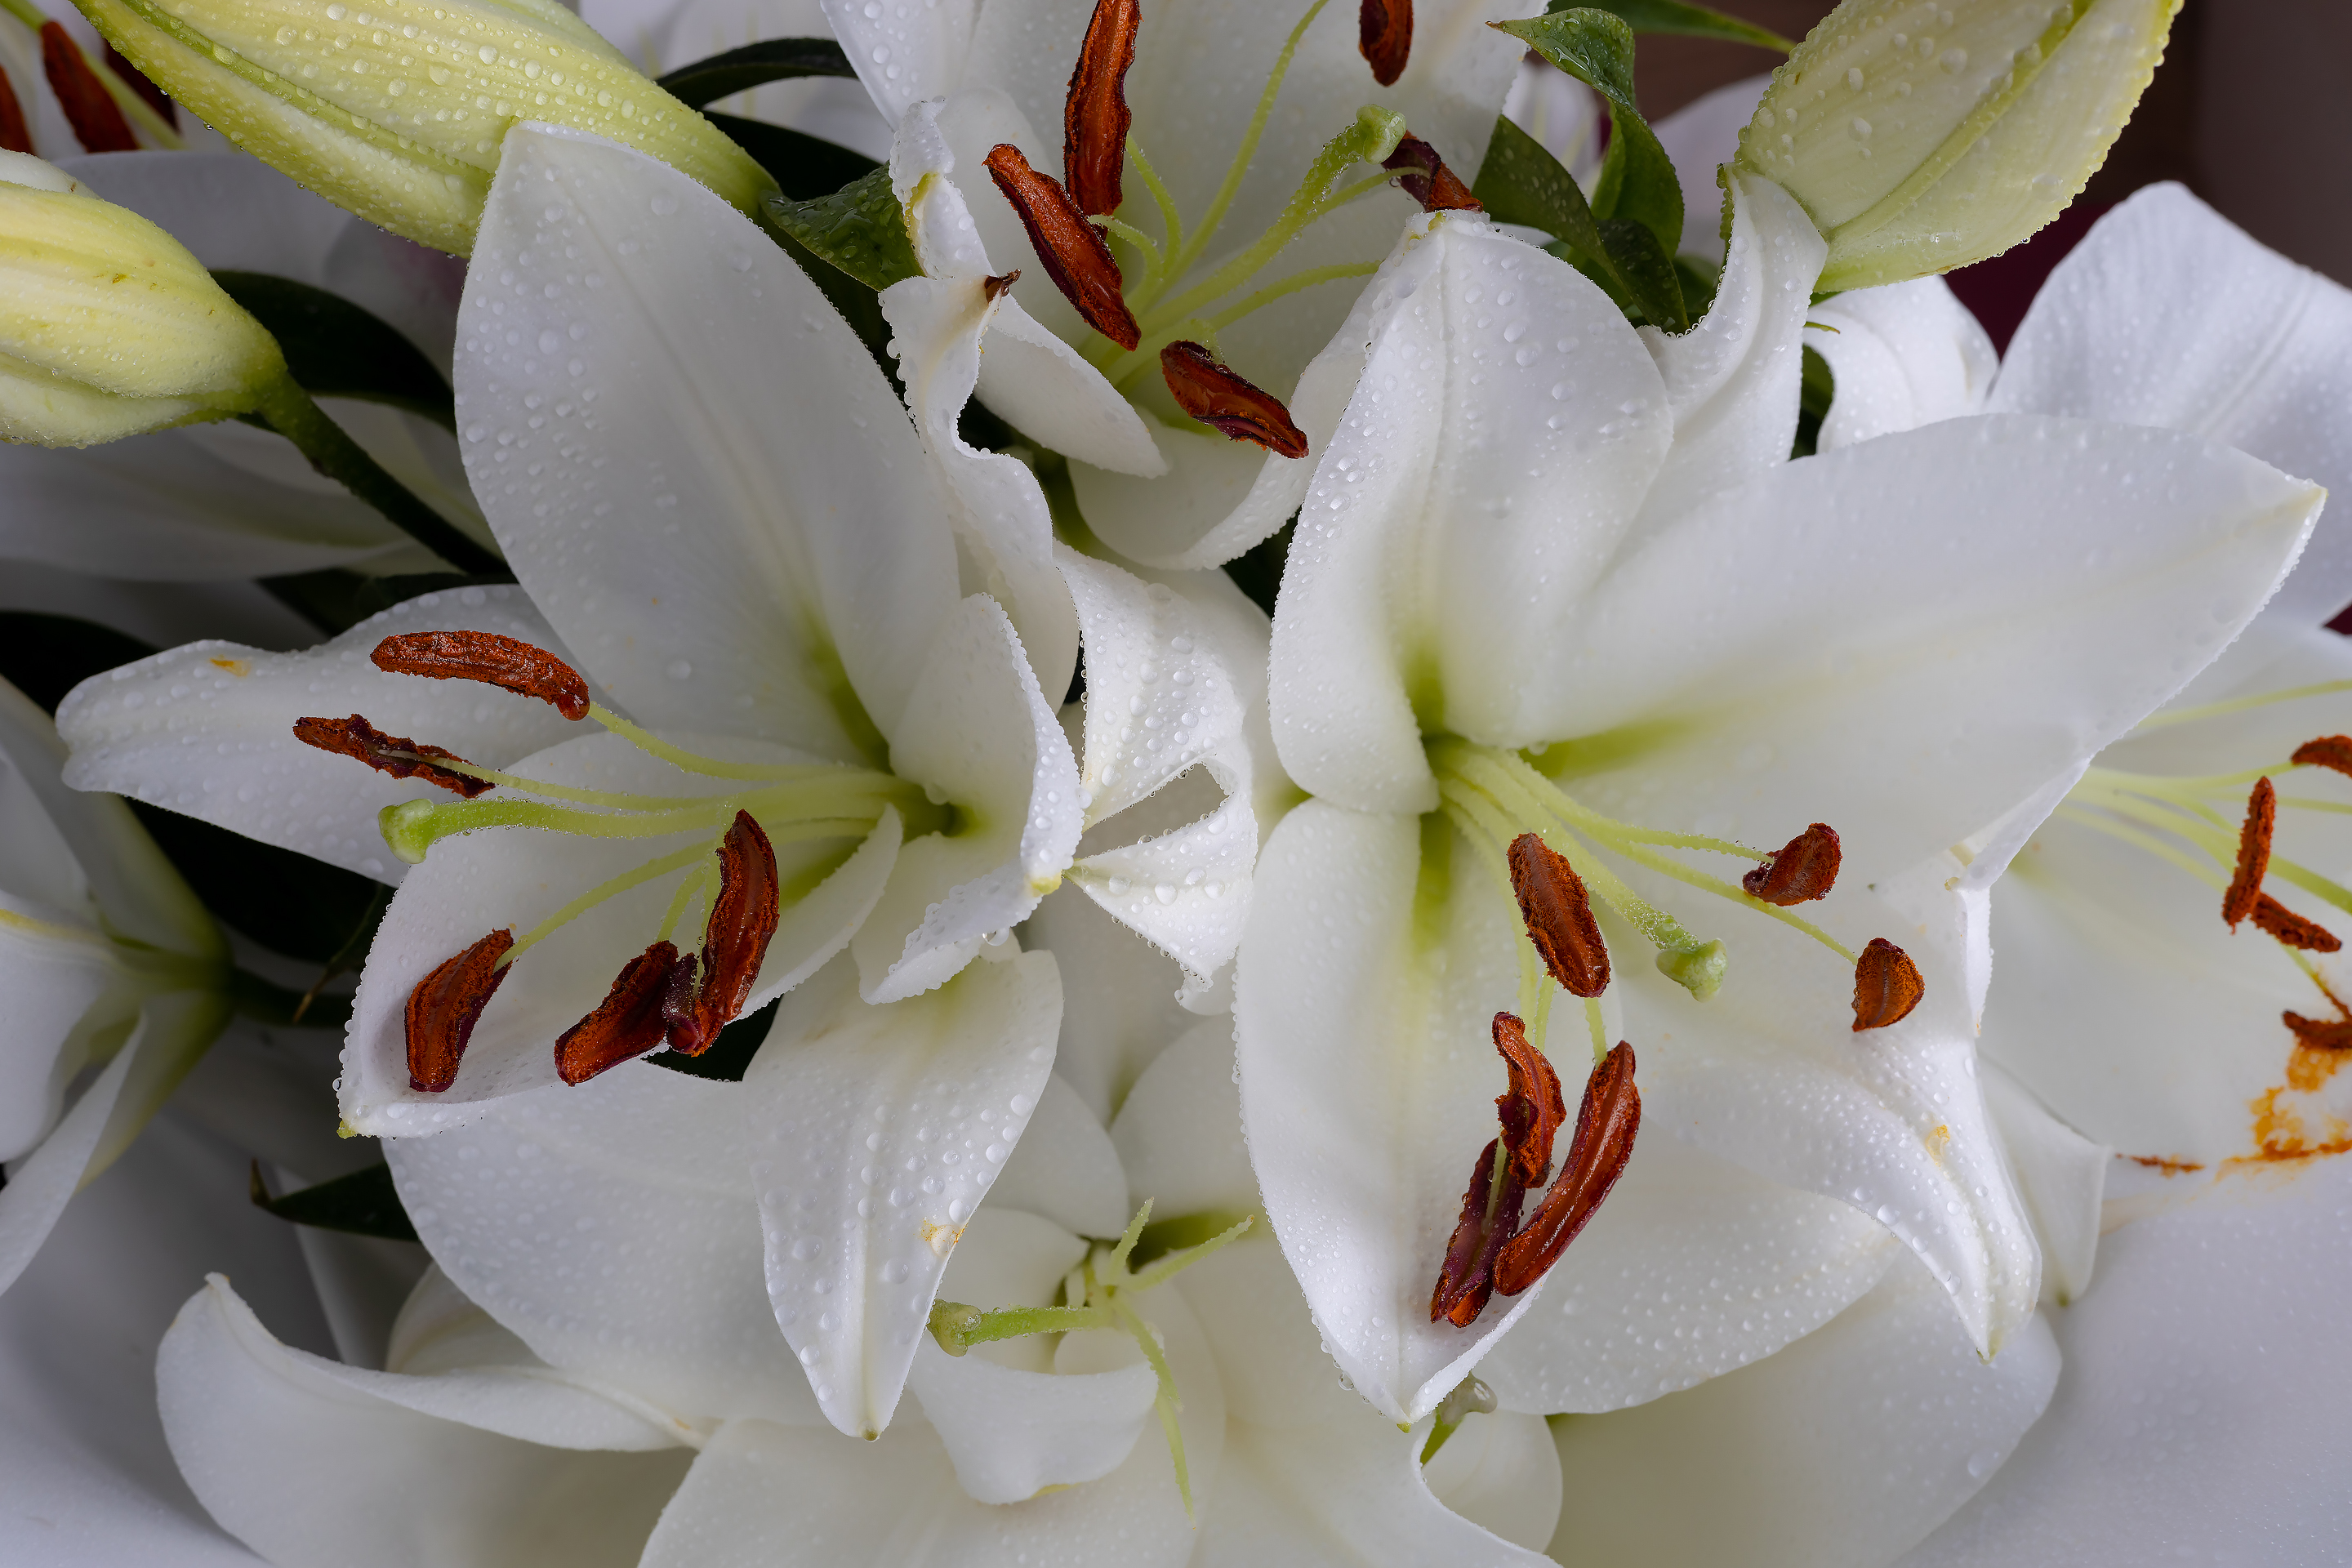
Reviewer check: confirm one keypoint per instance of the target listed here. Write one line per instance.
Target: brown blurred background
(2251, 109)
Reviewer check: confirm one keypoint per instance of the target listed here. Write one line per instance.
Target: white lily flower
(1560, 578)
(111, 967)
(960, 79)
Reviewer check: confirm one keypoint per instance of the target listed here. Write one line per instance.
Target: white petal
(1119, 997)
(1844, 1449)
(756, 516)
(517, 877)
(207, 729)
(1010, 1258)
(1460, 476)
(1188, 892)
(1501, 1473)
(2253, 354)
(878, 1132)
(2203, 1390)
(1903, 355)
(999, 511)
(1180, 1133)
(1700, 137)
(613, 1227)
(1731, 380)
(904, 55)
(2061, 1174)
(1367, 1079)
(308, 1464)
(1064, 1169)
(1693, 1268)
(976, 732)
(53, 970)
(1011, 1435)
(271, 1091)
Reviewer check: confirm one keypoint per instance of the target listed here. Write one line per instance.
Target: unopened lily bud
(108, 326)
(1922, 135)
(396, 109)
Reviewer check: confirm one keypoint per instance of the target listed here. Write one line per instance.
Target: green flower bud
(108, 326)
(1922, 135)
(397, 109)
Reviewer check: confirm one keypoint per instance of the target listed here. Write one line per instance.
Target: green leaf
(290, 903)
(335, 349)
(804, 167)
(45, 657)
(1637, 179)
(753, 65)
(1520, 182)
(364, 1203)
(1688, 21)
(1815, 392)
(859, 228)
(729, 1056)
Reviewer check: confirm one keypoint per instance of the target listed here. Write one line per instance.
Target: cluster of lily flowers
(968, 811)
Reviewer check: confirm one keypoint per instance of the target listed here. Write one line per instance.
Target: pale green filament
(1204, 330)
(1134, 236)
(1172, 222)
(1600, 1030)
(598, 894)
(2130, 800)
(688, 886)
(1105, 1287)
(2240, 704)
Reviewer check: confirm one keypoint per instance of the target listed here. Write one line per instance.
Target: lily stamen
(1216, 396)
(1095, 116)
(627, 1023)
(1074, 251)
(2253, 854)
(1384, 37)
(394, 755)
(501, 661)
(445, 1005)
(1423, 175)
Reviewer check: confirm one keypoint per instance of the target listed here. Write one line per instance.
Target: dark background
(2251, 109)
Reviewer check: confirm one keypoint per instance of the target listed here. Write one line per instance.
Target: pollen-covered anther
(628, 1023)
(1886, 985)
(1215, 395)
(2332, 751)
(1074, 254)
(1467, 1278)
(1606, 1123)
(506, 662)
(96, 123)
(706, 994)
(445, 1005)
(1384, 37)
(2245, 889)
(2320, 1034)
(14, 135)
(1531, 1108)
(2277, 920)
(396, 755)
(1423, 176)
(1805, 868)
(1560, 916)
(1095, 117)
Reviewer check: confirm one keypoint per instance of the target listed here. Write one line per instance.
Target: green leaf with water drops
(1816, 391)
(1637, 179)
(754, 65)
(1521, 182)
(364, 1203)
(335, 349)
(1687, 21)
(859, 228)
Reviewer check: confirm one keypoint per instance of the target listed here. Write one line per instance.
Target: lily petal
(1119, 997)
(1187, 892)
(1064, 1169)
(2061, 1174)
(877, 1133)
(1180, 1133)
(1011, 1435)
(1903, 355)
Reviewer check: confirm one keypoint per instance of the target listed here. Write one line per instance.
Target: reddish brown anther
(14, 135)
(114, 60)
(994, 287)
(96, 123)
(2284, 923)
(2320, 1034)
(445, 1007)
(1559, 916)
(396, 755)
(1805, 868)
(1466, 1279)
(1531, 1108)
(627, 1023)
(506, 662)
(1424, 177)
(1215, 395)
(1076, 254)
(705, 995)
(2326, 752)
(1886, 985)
(1095, 117)
(2245, 889)
(1605, 1125)
(1384, 37)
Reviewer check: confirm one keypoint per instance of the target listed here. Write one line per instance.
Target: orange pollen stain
(396, 755)
(1559, 916)
(1806, 868)
(505, 662)
(2165, 1164)
(15, 137)
(2332, 751)
(1076, 254)
(1886, 985)
(2282, 923)
(1384, 37)
(705, 995)
(2281, 1135)
(1095, 117)
(628, 1023)
(1216, 396)
(445, 1005)
(1423, 176)
(96, 123)
(2245, 887)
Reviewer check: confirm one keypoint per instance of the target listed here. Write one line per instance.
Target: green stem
(290, 411)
